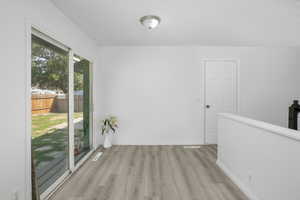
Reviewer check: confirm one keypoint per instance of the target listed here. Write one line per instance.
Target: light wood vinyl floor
(151, 173)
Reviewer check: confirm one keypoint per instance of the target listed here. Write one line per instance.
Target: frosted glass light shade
(150, 21)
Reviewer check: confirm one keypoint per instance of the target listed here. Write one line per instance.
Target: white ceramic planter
(107, 141)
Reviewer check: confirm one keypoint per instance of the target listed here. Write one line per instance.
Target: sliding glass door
(60, 137)
(82, 137)
(49, 95)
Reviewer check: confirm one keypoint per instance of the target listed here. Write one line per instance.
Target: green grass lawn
(56, 140)
(46, 134)
(45, 123)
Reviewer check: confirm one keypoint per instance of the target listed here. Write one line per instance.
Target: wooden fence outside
(78, 103)
(45, 103)
(42, 103)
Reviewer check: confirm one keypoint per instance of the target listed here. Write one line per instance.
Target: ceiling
(188, 22)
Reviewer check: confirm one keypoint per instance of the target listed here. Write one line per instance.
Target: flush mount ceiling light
(150, 21)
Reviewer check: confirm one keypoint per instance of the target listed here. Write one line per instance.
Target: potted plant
(109, 126)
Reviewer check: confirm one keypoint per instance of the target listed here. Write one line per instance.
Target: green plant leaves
(109, 124)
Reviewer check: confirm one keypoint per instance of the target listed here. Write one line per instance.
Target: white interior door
(220, 94)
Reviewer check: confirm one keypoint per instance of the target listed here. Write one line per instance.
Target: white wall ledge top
(289, 133)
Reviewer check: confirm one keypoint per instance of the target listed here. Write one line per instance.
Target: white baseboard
(246, 190)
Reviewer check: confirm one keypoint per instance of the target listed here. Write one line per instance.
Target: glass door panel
(82, 137)
(50, 128)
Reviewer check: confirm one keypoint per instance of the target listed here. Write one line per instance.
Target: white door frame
(237, 92)
(51, 37)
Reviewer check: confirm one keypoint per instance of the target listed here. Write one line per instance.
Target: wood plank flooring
(151, 173)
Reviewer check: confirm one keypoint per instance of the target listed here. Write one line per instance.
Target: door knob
(207, 106)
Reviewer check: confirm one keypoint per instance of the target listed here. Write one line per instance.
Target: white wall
(153, 91)
(156, 89)
(264, 162)
(13, 14)
(157, 94)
